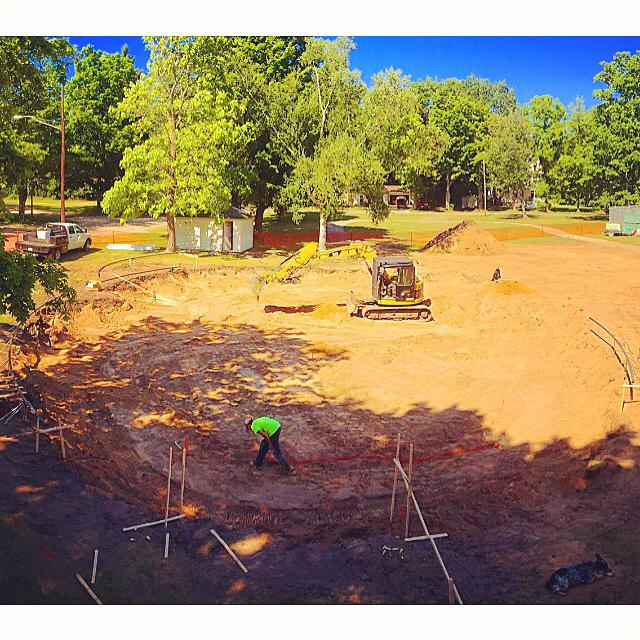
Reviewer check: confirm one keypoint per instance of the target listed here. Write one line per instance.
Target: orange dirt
(524, 371)
(466, 239)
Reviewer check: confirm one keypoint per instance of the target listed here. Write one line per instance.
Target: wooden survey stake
(166, 545)
(166, 511)
(409, 492)
(87, 588)
(95, 567)
(395, 482)
(184, 471)
(228, 550)
(62, 446)
(452, 591)
(37, 434)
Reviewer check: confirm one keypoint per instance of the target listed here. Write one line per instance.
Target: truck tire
(56, 254)
(87, 244)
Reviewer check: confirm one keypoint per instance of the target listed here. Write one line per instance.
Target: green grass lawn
(72, 206)
(401, 223)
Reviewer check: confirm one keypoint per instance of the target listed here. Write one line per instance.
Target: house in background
(233, 234)
(394, 196)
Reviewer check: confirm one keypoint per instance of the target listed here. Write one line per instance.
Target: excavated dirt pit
(511, 401)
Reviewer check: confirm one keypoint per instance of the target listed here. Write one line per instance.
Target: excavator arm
(290, 265)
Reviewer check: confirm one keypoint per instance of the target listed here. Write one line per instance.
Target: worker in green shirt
(270, 431)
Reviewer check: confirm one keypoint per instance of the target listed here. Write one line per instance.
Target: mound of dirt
(510, 287)
(328, 311)
(466, 238)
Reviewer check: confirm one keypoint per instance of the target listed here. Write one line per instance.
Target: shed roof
(232, 213)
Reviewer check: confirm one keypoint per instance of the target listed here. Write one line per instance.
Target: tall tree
(509, 154)
(29, 65)
(312, 114)
(573, 176)
(259, 169)
(617, 119)
(187, 136)
(394, 130)
(462, 110)
(96, 131)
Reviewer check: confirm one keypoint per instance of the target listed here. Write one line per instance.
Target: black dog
(584, 573)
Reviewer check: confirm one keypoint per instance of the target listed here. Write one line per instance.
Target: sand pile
(510, 287)
(328, 311)
(466, 238)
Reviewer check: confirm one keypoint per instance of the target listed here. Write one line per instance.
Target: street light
(61, 130)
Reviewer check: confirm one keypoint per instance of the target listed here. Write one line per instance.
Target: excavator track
(377, 312)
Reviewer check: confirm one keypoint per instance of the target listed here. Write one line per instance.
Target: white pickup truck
(54, 239)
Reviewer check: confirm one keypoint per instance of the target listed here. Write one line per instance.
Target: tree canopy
(187, 135)
(97, 133)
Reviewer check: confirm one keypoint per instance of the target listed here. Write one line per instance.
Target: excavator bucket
(255, 284)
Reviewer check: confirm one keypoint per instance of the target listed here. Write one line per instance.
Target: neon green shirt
(268, 425)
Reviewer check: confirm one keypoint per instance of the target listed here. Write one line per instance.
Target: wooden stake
(62, 447)
(229, 551)
(395, 482)
(184, 471)
(452, 591)
(409, 492)
(426, 530)
(88, 589)
(37, 434)
(135, 527)
(166, 511)
(431, 537)
(166, 545)
(95, 567)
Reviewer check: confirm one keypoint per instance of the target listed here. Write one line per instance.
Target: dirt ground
(509, 397)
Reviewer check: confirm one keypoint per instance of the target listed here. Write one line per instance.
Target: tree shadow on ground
(513, 514)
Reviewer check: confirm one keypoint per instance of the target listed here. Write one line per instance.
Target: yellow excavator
(397, 292)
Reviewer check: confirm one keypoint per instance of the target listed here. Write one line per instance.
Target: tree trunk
(99, 204)
(171, 228)
(171, 220)
(322, 236)
(447, 194)
(22, 200)
(260, 209)
(480, 200)
(31, 196)
(522, 204)
(281, 213)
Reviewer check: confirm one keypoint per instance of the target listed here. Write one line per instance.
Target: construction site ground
(509, 397)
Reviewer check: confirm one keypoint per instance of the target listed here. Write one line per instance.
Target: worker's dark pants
(275, 445)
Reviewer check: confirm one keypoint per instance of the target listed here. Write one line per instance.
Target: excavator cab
(394, 281)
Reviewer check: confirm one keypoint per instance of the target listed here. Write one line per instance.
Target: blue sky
(561, 66)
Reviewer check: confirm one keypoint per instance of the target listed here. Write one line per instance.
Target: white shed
(233, 234)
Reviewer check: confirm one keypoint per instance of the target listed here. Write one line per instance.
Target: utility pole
(484, 183)
(62, 217)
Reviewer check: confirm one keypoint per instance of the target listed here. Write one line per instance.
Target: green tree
(462, 110)
(187, 135)
(510, 155)
(97, 133)
(259, 170)
(29, 65)
(574, 174)
(314, 117)
(21, 273)
(617, 121)
(393, 128)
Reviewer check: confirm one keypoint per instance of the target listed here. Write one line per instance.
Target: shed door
(227, 236)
